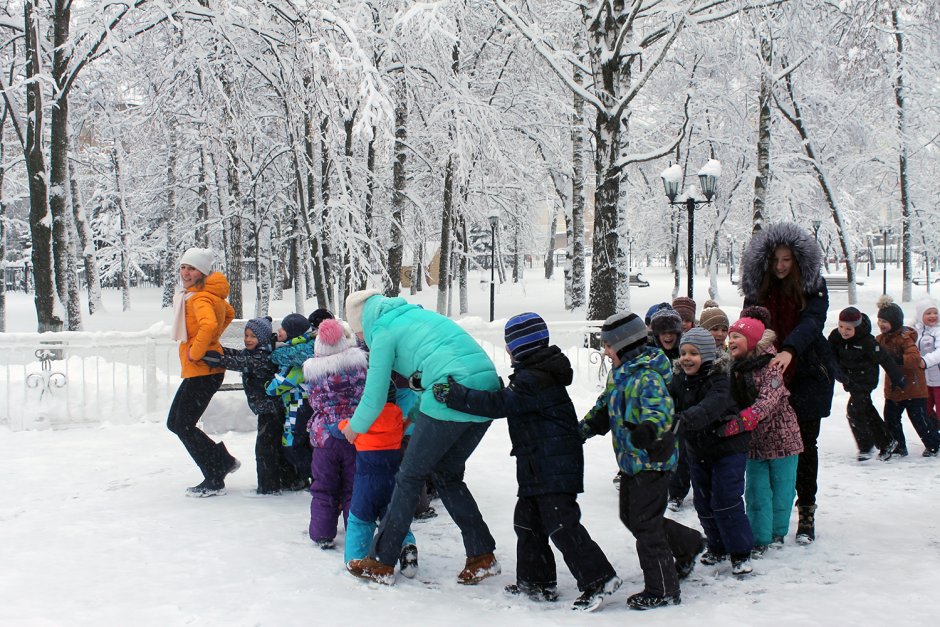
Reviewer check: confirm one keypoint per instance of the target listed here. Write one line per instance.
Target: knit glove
(442, 390)
(643, 436)
(213, 359)
(900, 384)
(335, 431)
(743, 422)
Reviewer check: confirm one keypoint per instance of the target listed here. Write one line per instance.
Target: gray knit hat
(625, 333)
(703, 341)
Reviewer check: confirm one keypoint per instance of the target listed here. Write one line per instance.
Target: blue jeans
(769, 492)
(438, 449)
(917, 413)
(718, 491)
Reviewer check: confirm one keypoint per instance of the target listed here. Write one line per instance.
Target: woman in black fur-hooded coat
(780, 270)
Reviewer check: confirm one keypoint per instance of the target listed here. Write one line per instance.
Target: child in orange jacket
(378, 455)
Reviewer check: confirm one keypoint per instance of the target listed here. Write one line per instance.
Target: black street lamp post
(885, 232)
(493, 220)
(708, 181)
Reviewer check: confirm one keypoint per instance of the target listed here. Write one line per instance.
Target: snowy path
(96, 531)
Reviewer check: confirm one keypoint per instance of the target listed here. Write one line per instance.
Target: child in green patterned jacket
(637, 409)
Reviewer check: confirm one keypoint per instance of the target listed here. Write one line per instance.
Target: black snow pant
(807, 466)
(680, 480)
(868, 428)
(556, 517)
(300, 453)
(191, 400)
(660, 541)
(268, 451)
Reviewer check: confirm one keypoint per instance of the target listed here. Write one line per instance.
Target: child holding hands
(637, 410)
(546, 443)
(757, 387)
(703, 400)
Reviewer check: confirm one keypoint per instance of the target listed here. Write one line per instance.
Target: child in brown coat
(900, 342)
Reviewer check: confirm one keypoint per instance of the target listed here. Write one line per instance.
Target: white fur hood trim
(352, 358)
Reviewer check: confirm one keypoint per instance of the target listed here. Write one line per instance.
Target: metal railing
(68, 379)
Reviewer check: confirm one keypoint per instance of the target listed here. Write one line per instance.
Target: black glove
(213, 359)
(900, 384)
(644, 435)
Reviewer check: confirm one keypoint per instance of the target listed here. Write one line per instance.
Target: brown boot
(479, 568)
(372, 569)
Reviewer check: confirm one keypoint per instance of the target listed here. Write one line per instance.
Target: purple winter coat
(335, 384)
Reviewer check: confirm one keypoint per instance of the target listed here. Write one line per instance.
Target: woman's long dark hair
(791, 287)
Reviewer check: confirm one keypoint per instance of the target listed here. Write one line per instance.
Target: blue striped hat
(525, 334)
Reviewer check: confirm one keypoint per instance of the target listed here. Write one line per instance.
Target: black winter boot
(806, 528)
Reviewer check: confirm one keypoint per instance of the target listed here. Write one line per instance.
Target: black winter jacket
(703, 404)
(858, 359)
(543, 424)
(810, 377)
(257, 370)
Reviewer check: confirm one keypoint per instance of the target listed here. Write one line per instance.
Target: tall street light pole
(708, 181)
(493, 220)
(884, 259)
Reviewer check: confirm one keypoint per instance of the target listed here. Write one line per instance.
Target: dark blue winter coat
(543, 424)
(257, 369)
(703, 405)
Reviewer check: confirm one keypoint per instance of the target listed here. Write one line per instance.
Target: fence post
(150, 375)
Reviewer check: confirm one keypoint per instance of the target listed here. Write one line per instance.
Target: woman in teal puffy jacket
(428, 348)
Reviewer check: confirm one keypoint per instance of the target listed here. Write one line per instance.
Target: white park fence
(69, 379)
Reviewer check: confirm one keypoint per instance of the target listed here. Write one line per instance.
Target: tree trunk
(47, 316)
(576, 245)
(464, 267)
(550, 252)
(368, 217)
(66, 286)
(326, 245)
(842, 230)
(86, 241)
(120, 203)
(762, 180)
(298, 268)
(170, 253)
(202, 209)
(262, 260)
(399, 184)
(447, 213)
(234, 251)
(899, 96)
(316, 257)
(569, 256)
(3, 232)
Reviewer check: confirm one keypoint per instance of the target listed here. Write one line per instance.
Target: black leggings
(191, 400)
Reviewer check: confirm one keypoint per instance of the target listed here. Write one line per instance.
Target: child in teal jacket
(636, 408)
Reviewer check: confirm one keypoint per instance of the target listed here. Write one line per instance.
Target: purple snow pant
(333, 469)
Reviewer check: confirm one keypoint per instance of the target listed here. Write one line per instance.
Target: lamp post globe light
(494, 220)
(708, 183)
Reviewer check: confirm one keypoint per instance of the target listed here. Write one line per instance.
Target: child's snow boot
(592, 598)
(209, 487)
(741, 566)
(408, 561)
(535, 591)
(648, 601)
(806, 528)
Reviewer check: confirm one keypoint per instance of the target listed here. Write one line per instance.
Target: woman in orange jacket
(201, 315)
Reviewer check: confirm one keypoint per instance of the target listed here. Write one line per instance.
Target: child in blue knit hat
(546, 443)
(256, 368)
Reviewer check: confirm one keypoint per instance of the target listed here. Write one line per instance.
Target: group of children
(684, 404)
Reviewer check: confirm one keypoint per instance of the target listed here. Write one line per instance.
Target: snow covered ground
(96, 531)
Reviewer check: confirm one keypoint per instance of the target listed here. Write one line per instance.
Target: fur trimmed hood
(756, 260)
(351, 359)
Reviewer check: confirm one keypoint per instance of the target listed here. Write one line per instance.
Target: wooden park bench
(838, 283)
